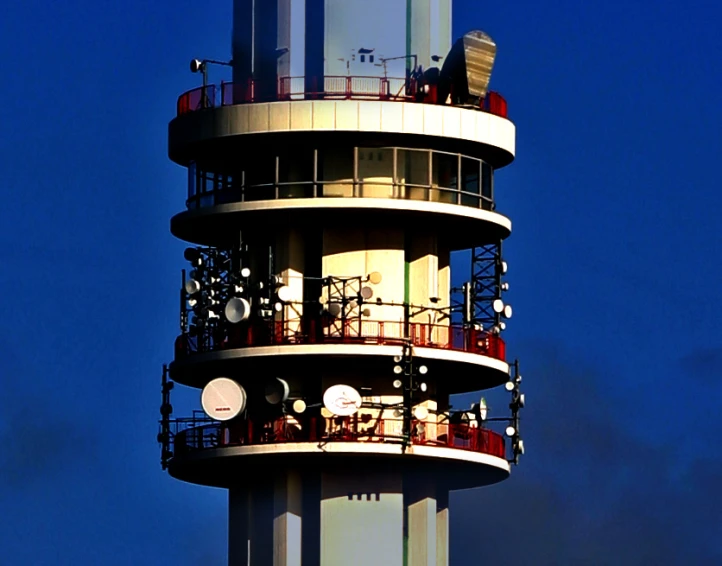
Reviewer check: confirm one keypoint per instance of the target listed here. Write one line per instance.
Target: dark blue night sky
(614, 270)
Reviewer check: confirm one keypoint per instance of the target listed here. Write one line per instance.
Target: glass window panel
(295, 165)
(260, 169)
(335, 164)
(445, 170)
(413, 167)
(375, 164)
(470, 181)
(486, 181)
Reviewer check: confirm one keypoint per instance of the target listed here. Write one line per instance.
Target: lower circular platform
(226, 466)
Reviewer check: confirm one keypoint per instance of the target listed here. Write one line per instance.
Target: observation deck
(360, 145)
(475, 358)
(462, 456)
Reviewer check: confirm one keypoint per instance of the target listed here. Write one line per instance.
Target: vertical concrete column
(289, 265)
(238, 526)
(361, 519)
(421, 512)
(442, 527)
(287, 520)
(261, 531)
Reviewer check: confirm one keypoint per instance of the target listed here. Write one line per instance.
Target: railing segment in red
(353, 331)
(362, 428)
(319, 88)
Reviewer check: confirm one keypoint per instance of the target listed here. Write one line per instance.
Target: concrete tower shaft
(328, 186)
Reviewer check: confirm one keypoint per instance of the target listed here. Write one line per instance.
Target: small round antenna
(375, 278)
(299, 406)
(334, 309)
(507, 311)
(196, 65)
(245, 272)
(342, 400)
(366, 293)
(498, 305)
(192, 286)
(277, 391)
(237, 310)
(223, 399)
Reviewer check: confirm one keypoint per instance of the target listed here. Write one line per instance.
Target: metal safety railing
(351, 331)
(192, 435)
(320, 88)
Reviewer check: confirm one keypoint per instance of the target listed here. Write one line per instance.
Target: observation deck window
(345, 172)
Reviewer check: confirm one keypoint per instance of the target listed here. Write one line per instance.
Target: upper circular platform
(462, 226)
(471, 131)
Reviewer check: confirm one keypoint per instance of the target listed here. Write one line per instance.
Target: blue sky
(614, 270)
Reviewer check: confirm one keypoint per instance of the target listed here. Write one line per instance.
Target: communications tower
(328, 185)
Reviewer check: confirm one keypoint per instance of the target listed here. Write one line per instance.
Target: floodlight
(507, 311)
(398, 370)
(245, 272)
(509, 386)
(498, 305)
(421, 412)
(423, 370)
(299, 406)
(196, 65)
(284, 294)
(510, 431)
(423, 387)
(397, 384)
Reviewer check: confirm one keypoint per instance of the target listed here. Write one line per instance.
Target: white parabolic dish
(342, 400)
(223, 399)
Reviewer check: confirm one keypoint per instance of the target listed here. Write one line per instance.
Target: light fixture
(398, 370)
(397, 384)
(510, 431)
(509, 386)
(423, 370)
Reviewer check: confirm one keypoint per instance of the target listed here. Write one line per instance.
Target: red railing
(327, 87)
(350, 331)
(358, 428)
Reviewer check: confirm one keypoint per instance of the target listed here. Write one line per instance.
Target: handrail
(358, 428)
(307, 330)
(319, 88)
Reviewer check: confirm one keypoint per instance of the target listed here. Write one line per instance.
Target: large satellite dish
(342, 400)
(277, 391)
(238, 310)
(223, 399)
